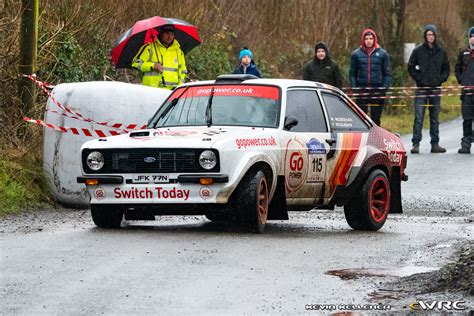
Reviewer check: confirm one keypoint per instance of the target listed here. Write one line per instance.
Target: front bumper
(182, 189)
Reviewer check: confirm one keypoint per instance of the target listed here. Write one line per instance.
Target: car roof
(283, 83)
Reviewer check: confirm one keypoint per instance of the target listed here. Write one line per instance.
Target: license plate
(150, 178)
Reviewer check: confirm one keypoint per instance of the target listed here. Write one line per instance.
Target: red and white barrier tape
(77, 115)
(76, 131)
(123, 128)
(408, 88)
(369, 95)
(115, 125)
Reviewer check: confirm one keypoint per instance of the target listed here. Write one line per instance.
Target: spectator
(161, 63)
(322, 68)
(429, 67)
(247, 64)
(370, 69)
(464, 71)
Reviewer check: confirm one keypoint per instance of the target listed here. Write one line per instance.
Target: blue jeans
(468, 133)
(420, 102)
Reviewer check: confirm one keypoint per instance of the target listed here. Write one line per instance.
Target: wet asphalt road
(57, 262)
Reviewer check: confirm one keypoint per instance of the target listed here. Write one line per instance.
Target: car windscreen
(234, 105)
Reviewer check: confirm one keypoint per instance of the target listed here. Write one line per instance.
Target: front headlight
(208, 159)
(95, 161)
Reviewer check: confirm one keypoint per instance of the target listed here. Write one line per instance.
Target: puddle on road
(351, 274)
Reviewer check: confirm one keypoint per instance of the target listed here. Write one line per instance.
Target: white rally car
(248, 150)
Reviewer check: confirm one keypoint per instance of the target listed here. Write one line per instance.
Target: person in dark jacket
(370, 70)
(429, 67)
(247, 64)
(464, 71)
(322, 68)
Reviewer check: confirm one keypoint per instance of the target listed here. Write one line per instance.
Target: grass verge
(402, 122)
(22, 183)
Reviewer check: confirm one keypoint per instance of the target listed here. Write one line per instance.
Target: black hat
(167, 28)
(321, 45)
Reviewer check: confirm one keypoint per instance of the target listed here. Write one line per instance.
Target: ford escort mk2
(246, 151)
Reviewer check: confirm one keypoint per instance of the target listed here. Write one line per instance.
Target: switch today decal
(151, 193)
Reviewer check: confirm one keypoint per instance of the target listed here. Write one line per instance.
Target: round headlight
(95, 161)
(208, 159)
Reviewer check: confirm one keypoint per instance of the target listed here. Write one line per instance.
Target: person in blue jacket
(370, 70)
(247, 64)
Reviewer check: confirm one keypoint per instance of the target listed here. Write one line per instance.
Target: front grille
(159, 160)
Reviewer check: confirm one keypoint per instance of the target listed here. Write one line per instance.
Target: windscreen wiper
(209, 109)
(170, 107)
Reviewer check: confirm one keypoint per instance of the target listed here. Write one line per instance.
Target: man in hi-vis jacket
(161, 63)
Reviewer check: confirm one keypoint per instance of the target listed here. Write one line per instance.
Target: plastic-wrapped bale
(112, 102)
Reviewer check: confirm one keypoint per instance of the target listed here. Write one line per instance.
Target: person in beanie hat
(322, 68)
(247, 64)
(464, 71)
(429, 67)
(371, 70)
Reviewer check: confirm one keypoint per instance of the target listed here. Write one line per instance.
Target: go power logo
(438, 305)
(296, 165)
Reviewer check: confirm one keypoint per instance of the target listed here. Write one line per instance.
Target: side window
(341, 116)
(306, 107)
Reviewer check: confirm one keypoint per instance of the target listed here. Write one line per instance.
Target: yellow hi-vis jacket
(172, 59)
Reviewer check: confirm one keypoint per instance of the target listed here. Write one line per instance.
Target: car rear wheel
(106, 216)
(370, 208)
(253, 200)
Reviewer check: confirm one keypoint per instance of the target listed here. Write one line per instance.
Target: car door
(349, 133)
(304, 148)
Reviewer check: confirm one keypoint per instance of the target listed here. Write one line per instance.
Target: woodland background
(75, 38)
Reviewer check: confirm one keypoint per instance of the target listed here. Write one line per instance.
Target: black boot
(465, 149)
(435, 148)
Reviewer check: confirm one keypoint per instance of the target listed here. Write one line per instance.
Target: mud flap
(277, 208)
(396, 192)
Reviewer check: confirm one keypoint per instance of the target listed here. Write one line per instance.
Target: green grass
(22, 183)
(402, 122)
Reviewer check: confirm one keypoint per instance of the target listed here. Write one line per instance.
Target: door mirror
(290, 122)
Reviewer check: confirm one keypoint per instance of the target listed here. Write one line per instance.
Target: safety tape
(76, 131)
(407, 88)
(75, 114)
(372, 96)
(124, 128)
(115, 125)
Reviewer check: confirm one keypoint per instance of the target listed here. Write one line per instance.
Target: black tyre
(369, 209)
(106, 216)
(252, 200)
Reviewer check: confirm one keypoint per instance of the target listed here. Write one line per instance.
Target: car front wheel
(369, 209)
(106, 216)
(253, 200)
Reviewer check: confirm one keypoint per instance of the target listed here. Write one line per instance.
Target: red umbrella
(145, 31)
